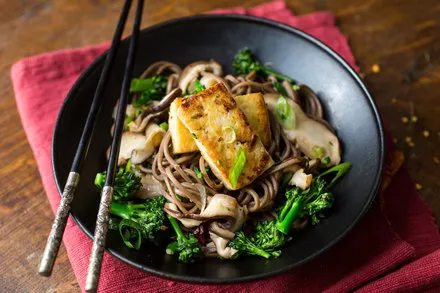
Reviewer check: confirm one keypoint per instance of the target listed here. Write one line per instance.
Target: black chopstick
(59, 223)
(102, 220)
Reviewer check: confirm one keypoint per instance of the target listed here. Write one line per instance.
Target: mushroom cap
(194, 70)
(223, 250)
(308, 134)
(150, 187)
(139, 147)
(222, 205)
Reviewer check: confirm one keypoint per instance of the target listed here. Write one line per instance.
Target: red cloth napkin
(393, 248)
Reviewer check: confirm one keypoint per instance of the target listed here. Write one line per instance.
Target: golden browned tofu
(255, 109)
(181, 138)
(221, 131)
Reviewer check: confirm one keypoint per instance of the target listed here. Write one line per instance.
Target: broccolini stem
(340, 170)
(261, 252)
(121, 210)
(279, 76)
(293, 214)
(285, 209)
(176, 227)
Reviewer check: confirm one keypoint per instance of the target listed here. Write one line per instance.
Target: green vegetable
(285, 114)
(246, 245)
(187, 246)
(270, 236)
(296, 87)
(126, 183)
(140, 220)
(245, 62)
(318, 151)
(153, 88)
(229, 134)
(138, 85)
(312, 202)
(164, 126)
(340, 170)
(198, 87)
(279, 88)
(198, 172)
(131, 233)
(194, 135)
(138, 112)
(128, 119)
(237, 167)
(326, 160)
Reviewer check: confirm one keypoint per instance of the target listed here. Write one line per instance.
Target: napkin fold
(395, 247)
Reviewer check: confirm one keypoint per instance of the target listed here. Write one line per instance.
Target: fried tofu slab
(181, 138)
(255, 109)
(220, 129)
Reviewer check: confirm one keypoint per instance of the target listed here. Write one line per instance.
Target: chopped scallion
(318, 152)
(285, 113)
(229, 134)
(164, 126)
(198, 87)
(237, 167)
(198, 173)
(130, 232)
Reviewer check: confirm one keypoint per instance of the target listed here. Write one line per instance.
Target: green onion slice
(131, 233)
(140, 84)
(318, 152)
(164, 126)
(285, 113)
(237, 167)
(229, 134)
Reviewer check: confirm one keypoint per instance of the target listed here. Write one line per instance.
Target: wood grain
(400, 36)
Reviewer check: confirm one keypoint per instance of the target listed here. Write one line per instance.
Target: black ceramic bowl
(348, 107)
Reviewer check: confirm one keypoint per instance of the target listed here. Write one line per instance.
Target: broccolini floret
(187, 246)
(270, 236)
(246, 245)
(311, 202)
(125, 185)
(153, 88)
(245, 62)
(140, 220)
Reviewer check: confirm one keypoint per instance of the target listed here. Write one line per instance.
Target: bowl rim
(251, 19)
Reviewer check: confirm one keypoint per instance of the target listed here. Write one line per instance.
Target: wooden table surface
(400, 36)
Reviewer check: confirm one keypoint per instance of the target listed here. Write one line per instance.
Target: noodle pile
(186, 181)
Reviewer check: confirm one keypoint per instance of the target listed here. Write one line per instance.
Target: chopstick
(59, 223)
(102, 220)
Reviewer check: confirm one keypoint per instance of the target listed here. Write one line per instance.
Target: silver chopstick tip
(44, 271)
